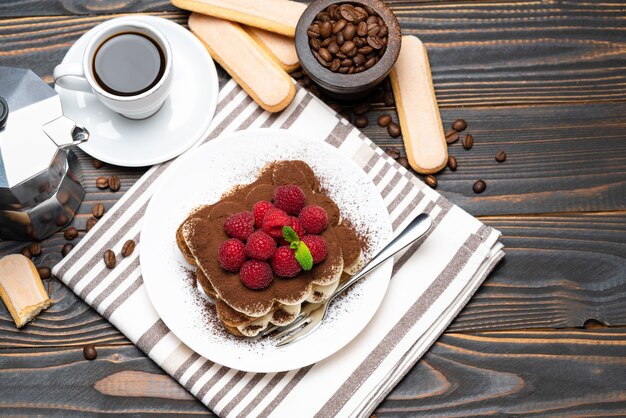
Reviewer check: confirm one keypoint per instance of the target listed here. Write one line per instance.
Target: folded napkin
(431, 282)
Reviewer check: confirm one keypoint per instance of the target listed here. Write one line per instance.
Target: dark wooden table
(543, 80)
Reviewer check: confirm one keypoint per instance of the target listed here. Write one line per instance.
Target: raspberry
(260, 246)
(231, 255)
(274, 221)
(289, 198)
(295, 224)
(314, 219)
(284, 262)
(239, 225)
(259, 210)
(317, 246)
(256, 274)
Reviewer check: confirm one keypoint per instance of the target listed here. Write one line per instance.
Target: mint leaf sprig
(302, 252)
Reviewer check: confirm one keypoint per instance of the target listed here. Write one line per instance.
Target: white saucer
(181, 122)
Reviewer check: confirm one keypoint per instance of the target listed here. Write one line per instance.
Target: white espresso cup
(129, 68)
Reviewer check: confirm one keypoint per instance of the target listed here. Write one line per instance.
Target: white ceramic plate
(180, 123)
(201, 178)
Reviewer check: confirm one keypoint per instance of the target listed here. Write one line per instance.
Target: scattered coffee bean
(459, 125)
(346, 116)
(389, 99)
(97, 163)
(102, 182)
(479, 186)
(361, 121)
(452, 162)
(91, 222)
(98, 210)
(500, 156)
(404, 162)
(44, 272)
(35, 249)
(109, 259)
(70, 233)
(66, 249)
(361, 109)
(90, 352)
(384, 120)
(393, 129)
(347, 38)
(128, 248)
(430, 180)
(62, 220)
(468, 141)
(114, 183)
(393, 153)
(452, 136)
(336, 107)
(26, 252)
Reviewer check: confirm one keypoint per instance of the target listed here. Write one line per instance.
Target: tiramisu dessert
(269, 247)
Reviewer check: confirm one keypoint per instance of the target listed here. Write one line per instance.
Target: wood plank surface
(481, 53)
(516, 372)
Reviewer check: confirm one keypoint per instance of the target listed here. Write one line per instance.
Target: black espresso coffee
(128, 64)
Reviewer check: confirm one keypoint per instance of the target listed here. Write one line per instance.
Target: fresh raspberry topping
(256, 274)
(289, 198)
(314, 219)
(231, 255)
(258, 210)
(240, 225)
(260, 246)
(284, 262)
(274, 221)
(295, 224)
(317, 246)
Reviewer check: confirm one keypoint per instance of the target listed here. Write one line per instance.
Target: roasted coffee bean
(114, 183)
(348, 14)
(430, 180)
(361, 108)
(326, 42)
(384, 120)
(361, 121)
(91, 222)
(66, 249)
(346, 62)
(345, 114)
(343, 70)
(338, 26)
(452, 162)
(98, 210)
(349, 31)
(326, 56)
(383, 32)
(373, 29)
(97, 163)
(359, 60)
(326, 29)
(102, 182)
(365, 50)
(479, 186)
(361, 30)
(393, 153)
(70, 233)
(347, 47)
(389, 99)
(35, 249)
(404, 162)
(26, 252)
(90, 352)
(393, 129)
(324, 17)
(371, 62)
(315, 44)
(459, 125)
(335, 65)
(109, 259)
(375, 42)
(452, 136)
(333, 48)
(500, 156)
(313, 32)
(128, 248)
(336, 107)
(468, 141)
(339, 39)
(44, 272)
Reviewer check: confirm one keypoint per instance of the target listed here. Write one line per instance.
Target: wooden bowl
(347, 86)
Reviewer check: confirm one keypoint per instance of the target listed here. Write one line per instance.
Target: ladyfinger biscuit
(280, 16)
(242, 57)
(281, 47)
(21, 288)
(422, 130)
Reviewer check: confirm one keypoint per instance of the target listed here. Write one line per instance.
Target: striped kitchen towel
(431, 282)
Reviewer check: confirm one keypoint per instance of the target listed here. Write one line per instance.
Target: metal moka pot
(39, 174)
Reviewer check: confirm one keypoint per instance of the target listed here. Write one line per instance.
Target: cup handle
(71, 76)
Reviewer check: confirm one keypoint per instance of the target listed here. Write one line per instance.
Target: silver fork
(311, 320)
